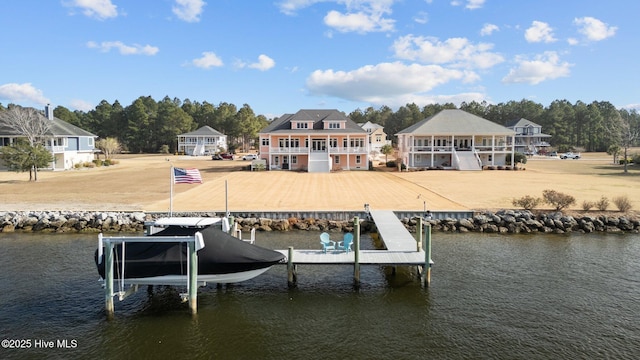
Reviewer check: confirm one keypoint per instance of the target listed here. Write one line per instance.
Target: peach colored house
(314, 141)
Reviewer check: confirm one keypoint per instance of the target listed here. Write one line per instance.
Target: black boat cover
(222, 254)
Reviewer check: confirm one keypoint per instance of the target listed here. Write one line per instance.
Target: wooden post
(356, 264)
(291, 271)
(108, 279)
(193, 277)
(419, 232)
(426, 274)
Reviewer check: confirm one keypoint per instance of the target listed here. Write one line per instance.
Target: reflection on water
(492, 296)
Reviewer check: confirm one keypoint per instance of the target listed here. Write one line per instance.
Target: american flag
(186, 176)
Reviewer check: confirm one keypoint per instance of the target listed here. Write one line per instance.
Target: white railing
(55, 149)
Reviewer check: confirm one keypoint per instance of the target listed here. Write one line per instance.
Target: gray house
(529, 137)
(68, 143)
(457, 140)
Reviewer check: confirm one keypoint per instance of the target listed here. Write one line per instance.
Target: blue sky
(284, 55)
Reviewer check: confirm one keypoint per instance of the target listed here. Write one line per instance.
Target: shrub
(391, 164)
(587, 205)
(518, 158)
(77, 166)
(636, 158)
(164, 149)
(89, 165)
(98, 162)
(629, 161)
(527, 202)
(557, 199)
(622, 203)
(602, 204)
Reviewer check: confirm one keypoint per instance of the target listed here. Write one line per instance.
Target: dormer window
(302, 125)
(334, 125)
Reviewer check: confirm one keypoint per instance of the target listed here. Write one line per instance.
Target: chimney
(48, 112)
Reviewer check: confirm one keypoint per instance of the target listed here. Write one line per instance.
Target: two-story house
(69, 144)
(377, 137)
(455, 139)
(315, 141)
(529, 137)
(205, 140)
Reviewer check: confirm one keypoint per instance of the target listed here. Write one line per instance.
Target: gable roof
(283, 123)
(57, 128)
(521, 122)
(456, 122)
(370, 125)
(204, 131)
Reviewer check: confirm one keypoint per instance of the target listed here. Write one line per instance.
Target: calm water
(509, 297)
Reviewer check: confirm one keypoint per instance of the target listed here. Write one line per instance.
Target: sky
(280, 56)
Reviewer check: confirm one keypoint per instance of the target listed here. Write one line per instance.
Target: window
(336, 159)
(334, 125)
(265, 141)
(302, 125)
(333, 142)
(91, 141)
(378, 138)
(358, 159)
(357, 142)
(295, 143)
(294, 159)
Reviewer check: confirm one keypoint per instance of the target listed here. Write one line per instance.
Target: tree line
(148, 126)
(590, 127)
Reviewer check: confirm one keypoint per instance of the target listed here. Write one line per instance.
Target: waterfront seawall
(503, 221)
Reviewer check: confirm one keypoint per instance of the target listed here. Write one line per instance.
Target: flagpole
(171, 192)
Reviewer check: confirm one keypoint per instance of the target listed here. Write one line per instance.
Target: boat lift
(194, 243)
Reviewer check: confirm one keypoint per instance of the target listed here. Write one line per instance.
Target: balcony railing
(480, 148)
(55, 149)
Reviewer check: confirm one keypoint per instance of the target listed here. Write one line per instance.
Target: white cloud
(134, 49)
(470, 4)
(290, 7)
(546, 66)
(208, 60)
(594, 29)
(360, 16)
(539, 32)
(375, 83)
(453, 51)
(188, 10)
(421, 17)
(360, 22)
(488, 29)
(22, 92)
(264, 63)
(99, 9)
(81, 105)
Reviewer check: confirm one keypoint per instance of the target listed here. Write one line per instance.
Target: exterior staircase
(467, 160)
(319, 162)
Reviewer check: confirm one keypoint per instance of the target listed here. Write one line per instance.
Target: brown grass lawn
(142, 182)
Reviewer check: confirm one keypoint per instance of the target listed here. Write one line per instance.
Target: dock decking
(402, 249)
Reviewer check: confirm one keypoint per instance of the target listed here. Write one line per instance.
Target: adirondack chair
(346, 242)
(326, 242)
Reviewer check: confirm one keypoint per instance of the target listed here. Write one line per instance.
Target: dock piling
(356, 263)
(193, 277)
(292, 278)
(426, 274)
(108, 273)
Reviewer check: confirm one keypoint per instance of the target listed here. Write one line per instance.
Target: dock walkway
(394, 235)
(401, 250)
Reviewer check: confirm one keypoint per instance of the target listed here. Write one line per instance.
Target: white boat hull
(177, 280)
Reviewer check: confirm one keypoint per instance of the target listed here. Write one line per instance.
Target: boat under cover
(224, 258)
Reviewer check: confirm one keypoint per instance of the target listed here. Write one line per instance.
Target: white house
(377, 137)
(68, 143)
(455, 139)
(205, 140)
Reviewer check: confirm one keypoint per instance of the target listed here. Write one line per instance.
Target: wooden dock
(402, 249)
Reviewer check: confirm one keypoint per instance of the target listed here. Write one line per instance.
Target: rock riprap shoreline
(504, 221)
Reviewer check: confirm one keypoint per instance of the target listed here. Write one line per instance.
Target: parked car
(553, 153)
(223, 156)
(250, 157)
(570, 155)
